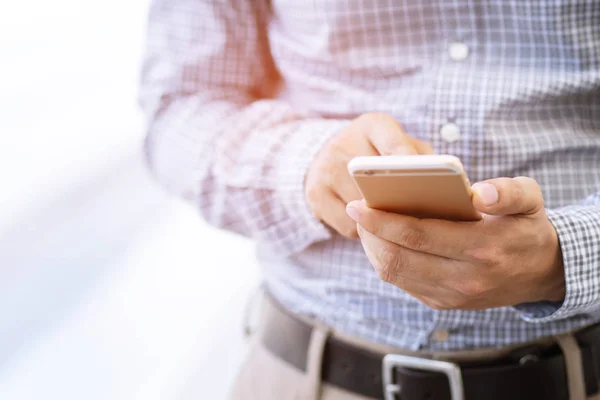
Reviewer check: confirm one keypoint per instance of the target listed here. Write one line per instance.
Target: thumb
(508, 196)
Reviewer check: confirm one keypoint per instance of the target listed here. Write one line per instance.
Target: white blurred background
(109, 288)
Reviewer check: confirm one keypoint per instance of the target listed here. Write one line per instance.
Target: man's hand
(328, 185)
(512, 256)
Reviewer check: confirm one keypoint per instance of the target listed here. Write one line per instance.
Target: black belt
(535, 372)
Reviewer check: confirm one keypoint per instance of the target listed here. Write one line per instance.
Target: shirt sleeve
(578, 229)
(216, 136)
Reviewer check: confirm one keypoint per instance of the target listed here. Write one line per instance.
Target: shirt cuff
(578, 229)
(292, 164)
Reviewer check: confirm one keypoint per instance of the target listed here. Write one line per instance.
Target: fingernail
(352, 212)
(487, 192)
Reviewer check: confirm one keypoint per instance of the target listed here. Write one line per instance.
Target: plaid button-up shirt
(241, 94)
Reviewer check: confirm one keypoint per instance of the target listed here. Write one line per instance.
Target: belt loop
(314, 362)
(573, 366)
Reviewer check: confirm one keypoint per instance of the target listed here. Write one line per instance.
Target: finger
(403, 267)
(343, 185)
(347, 191)
(386, 135)
(335, 215)
(345, 147)
(508, 196)
(432, 236)
(421, 146)
(436, 281)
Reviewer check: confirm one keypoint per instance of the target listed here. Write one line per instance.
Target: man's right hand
(329, 186)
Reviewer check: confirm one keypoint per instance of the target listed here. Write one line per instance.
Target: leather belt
(534, 372)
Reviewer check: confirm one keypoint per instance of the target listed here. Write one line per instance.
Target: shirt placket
(452, 124)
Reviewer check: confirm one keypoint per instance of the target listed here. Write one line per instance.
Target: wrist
(555, 287)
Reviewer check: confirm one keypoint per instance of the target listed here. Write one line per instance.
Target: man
(256, 107)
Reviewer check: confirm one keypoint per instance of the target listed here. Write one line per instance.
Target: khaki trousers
(264, 376)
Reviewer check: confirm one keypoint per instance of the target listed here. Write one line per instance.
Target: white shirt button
(458, 51)
(450, 132)
(441, 336)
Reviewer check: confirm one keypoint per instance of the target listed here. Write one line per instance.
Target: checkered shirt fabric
(241, 94)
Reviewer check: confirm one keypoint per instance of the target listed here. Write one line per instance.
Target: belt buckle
(393, 361)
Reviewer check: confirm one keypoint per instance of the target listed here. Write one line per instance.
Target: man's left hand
(511, 256)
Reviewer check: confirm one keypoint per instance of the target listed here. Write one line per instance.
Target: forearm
(242, 166)
(213, 137)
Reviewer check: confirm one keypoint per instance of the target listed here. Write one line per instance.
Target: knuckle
(384, 272)
(518, 193)
(337, 144)
(337, 150)
(472, 288)
(374, 225)
(486, 255)
(495, 254)
(320, 162)
(526, 181)
(529, 189)
(313, 191)
(436, 305)
(413, 238)
(388, 262)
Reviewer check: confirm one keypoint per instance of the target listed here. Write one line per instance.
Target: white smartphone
(424, 186)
